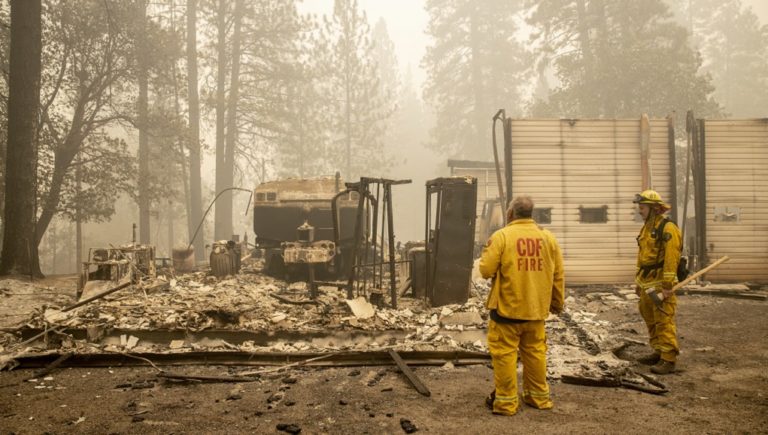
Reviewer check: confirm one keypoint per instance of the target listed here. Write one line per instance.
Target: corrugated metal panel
(565, 164)
(737, 185)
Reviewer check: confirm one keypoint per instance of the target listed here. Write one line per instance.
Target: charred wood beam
(341, 359)
(52, 366)
(196, 378)
(98, 296)
(653, 387)
(415, 381)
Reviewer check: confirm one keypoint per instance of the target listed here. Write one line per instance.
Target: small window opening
(593, 215)
(542, 215)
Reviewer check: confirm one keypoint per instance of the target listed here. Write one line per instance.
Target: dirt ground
(721, 387)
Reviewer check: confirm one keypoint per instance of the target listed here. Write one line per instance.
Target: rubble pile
(197, 302)
(256, 302)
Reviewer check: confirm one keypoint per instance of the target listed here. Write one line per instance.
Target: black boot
(489, 400)
(663, 367)
(650, 359)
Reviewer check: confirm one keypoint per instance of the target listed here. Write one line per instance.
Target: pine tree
(357, 111)
(280, 108)
(618, 58)
(19, 250)
(475, 66)
(735, 49)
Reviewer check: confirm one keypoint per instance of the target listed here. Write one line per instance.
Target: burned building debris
(326, 282)
(296, 226)
(108, 267)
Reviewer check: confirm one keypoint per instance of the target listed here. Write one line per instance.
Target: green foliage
(88, 91)
(356, 110)
(99, 189)
(618, 58)
(383, 53)
(86, 66)
(475, 66)
(277, 106)
(735, 49)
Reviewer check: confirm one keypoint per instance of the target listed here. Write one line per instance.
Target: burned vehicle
(110, 267)
(294, 226)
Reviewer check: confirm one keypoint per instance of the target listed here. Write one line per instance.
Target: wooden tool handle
(701, 272)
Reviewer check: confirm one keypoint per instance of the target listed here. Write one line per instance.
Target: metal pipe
(209, 209)
(499, 115)
(508, 159)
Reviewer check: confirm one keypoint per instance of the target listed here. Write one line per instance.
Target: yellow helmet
(649, 197)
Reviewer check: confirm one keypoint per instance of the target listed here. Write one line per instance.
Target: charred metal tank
(225, 258)
(294, 225)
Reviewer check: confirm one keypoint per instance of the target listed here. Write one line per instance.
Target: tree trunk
(480, 121)
(231, 134)
(143, 109)
(220, 227)
(19, 253)
(78, 214)
(348, 108)
(195, 180)
(63, 157)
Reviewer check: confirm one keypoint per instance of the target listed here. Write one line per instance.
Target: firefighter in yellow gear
(660, 245)
(526, 265)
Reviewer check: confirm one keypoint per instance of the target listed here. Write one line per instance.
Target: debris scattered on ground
(580, 344)
(407, 426)
(289, 428)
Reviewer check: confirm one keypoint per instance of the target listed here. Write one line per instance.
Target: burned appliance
(109, 267)
(294, 226)
(450, 239)
(305, 250)
(225, 258)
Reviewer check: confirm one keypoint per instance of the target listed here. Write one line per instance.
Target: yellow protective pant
(504, 340)
(661, 325)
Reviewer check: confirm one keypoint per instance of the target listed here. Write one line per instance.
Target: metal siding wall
(565, 164)
(737, 176)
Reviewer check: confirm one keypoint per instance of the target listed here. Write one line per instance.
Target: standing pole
(508, 159)
(391, 234)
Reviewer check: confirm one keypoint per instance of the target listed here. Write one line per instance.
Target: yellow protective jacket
(527, 266)
(658, 253)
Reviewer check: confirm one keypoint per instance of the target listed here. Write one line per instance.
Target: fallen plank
(653, 387)
(727, 294)
(97, 296)
(404, 287)
(415, 381)
(341, 359)
(52, 366)
(182, 377)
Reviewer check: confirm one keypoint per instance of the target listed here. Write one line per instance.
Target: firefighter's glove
(666, 288)
(555, 311)
(638, 290)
